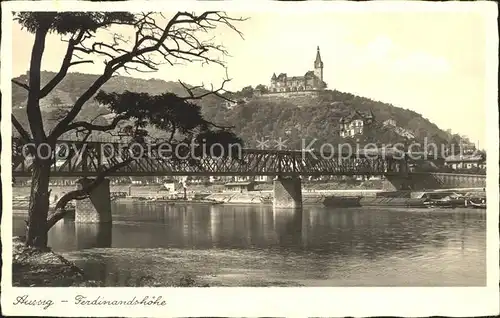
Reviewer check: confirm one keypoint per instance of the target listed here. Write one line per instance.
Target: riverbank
(157, 190)
(312, 194)
(33, 267)
(44, 268)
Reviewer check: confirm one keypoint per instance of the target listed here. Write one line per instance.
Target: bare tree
(156, 40)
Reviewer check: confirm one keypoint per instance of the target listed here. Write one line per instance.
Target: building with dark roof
(466, 161)
(355, 123)
(311, 80)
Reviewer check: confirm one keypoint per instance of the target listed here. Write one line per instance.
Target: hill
(55, 105)
(298, 119)
(310, 117)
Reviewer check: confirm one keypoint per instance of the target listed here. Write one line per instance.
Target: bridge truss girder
(89, 158)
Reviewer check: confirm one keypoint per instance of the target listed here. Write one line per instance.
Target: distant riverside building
(312, 80)
(173, 186)
(355, 123)
(254, 178)
(467, 147)
(469, 161)
(240, 186)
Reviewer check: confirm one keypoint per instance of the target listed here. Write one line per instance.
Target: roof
(357, 115)
(318, 62)
(283, 76)
(464, 158)
(239, 183)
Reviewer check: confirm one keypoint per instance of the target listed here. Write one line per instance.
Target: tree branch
(81, 62)
(218, 92)
(219, 126)
(25, 86)
(92, 127)
(64, 66)
(33, 105)
(60, 208)
(151, 38)
(24, 134)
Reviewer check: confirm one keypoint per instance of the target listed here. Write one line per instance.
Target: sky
(429, 62)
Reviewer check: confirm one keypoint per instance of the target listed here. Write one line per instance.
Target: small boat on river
(476, 203)
(453, 200)
(266, 200)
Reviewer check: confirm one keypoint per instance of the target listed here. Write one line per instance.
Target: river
(256, 246)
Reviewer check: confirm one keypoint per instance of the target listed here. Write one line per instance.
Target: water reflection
(314, 243)
(370, 233)
(288, 225)
(90, 235)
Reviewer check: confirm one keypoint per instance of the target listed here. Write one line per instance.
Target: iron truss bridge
(87, 159)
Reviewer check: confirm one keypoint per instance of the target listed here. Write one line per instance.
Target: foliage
(261, 117)
(319, 119)
(156, 41)
(262, 89)
(247, 92)
(72, 22)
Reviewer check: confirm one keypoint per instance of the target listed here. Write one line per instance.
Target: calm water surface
(254, 245)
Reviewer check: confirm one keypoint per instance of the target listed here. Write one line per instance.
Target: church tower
(318, 66)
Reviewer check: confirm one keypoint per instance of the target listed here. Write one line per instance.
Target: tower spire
(318, 66)
(318, 63)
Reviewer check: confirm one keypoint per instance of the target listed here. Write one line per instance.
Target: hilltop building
(355, 123)
(311, 81)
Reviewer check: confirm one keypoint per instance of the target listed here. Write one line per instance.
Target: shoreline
(32, 267)
(361, 198)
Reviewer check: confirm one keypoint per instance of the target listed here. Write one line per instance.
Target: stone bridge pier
(96, 208)
(287, 193)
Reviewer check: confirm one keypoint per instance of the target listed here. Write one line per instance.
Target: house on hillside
(355, 123)
(229, 104)
(389, 123)
(404, 133)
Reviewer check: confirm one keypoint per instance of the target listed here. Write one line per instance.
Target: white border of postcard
(254, 302)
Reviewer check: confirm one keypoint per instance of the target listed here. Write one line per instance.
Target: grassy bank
(33, 267)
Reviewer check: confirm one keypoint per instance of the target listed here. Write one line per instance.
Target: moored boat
(266, 200)
(476, 203)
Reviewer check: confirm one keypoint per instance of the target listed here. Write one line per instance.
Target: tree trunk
(36, 232)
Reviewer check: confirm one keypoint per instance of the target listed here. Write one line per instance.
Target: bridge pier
(96, 208)
(287, 193)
